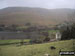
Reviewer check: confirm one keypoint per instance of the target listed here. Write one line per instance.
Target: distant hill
(22, 15)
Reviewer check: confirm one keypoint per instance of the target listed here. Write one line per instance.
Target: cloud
(50, 4)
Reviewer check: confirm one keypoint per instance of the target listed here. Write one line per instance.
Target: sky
(48, 4)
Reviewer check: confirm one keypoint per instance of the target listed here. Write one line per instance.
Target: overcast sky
(49, 4)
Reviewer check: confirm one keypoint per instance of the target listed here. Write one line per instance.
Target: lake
(12, 35)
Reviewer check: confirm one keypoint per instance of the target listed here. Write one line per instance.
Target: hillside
(22, 15)
(37, 49)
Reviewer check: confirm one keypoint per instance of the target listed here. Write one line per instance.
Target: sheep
(52, 47)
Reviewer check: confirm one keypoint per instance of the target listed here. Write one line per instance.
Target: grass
(53, 31)
(22, 27)
(36, 49)
(12, 41)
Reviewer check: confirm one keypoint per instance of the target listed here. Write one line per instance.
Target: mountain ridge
(41, 16)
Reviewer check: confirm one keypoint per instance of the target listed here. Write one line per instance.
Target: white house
(58, 36)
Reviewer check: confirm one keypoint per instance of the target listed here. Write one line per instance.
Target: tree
(13, 27)
(22, 42)
(46, 35)
(28, 24)
(2, 25)
(42, 37)
(67, 29)
(1, 29)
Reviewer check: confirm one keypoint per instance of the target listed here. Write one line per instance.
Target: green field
(53, 31)
(12, 41)
(36, 49)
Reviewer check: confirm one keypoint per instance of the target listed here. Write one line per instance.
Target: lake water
(12, 35)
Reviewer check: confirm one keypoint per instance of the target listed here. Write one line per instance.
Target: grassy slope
(37, 49)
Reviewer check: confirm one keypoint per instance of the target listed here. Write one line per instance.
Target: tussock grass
(37, 49)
